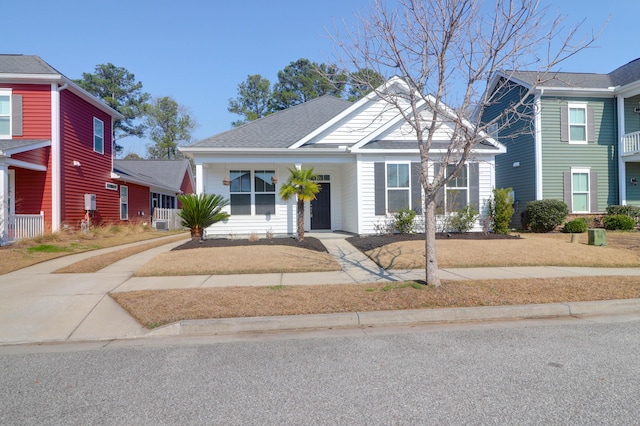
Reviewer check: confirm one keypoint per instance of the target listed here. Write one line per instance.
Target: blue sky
(199, 51)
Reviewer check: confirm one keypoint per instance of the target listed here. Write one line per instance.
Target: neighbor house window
(124, 202)
(265, 192)
(240, 192)
(580, 185)
(577, 123)
(398, 189)
(5, 114)
(98, 135)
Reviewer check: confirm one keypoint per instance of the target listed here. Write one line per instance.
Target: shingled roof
(162, 173)
(25, 64)
(281, 129)
(621, 76)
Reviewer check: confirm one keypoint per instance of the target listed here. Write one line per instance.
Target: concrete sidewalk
(37, 306)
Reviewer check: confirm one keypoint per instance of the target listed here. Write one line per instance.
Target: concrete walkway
(37, 306)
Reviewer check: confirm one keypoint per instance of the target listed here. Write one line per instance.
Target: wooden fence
(25, 226)
(166, 219)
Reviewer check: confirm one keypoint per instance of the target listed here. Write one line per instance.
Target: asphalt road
(571, 371)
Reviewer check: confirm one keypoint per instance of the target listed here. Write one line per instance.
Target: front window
(98, 135)
(124, 202)
(578, 123)
(455, 194)
(265, 195)
(397, 187)
(580, 191)
(240, 198)
(5, 115)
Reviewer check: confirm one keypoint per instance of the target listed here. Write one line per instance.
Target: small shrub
(619, 222)
(544, 215)
(463, 219)
(631, 211)
(403, 221)
(501, 210)
(576, 226)
(253, 236)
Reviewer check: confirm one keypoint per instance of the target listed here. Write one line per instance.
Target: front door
(321, 208)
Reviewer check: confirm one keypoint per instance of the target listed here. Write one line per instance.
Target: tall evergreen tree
(169, 124)
(254, 97)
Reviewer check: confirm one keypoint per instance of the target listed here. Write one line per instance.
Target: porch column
(4, 206)
(199, 179)
(622, 168)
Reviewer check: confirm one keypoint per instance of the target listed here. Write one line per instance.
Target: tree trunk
(300, 219)
(432, 274)
(196, 233)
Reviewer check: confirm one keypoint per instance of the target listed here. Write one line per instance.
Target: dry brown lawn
(529, 250)
(238, 260)
(28, 252)
(155, 308)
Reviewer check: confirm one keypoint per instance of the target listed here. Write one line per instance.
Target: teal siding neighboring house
(582, 143)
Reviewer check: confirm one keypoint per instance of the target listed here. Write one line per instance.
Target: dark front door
(321, 208)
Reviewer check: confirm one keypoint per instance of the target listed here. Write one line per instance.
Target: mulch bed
(308, 243)
(364, 243)
(371, 242)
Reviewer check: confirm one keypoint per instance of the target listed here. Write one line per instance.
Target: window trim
(9, 93)
(97, 136)
(466, 188)
(582, 106)
(124, 201)
(387, 188)
(583, 171)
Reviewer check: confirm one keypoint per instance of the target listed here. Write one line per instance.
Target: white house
(364, 153)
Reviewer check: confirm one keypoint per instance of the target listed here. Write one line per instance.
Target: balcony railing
(25, 226)
(631, 143)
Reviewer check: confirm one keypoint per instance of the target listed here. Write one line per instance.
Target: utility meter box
(597, 237)
(90, 201)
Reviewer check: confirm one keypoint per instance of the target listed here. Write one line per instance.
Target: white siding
(350, 184)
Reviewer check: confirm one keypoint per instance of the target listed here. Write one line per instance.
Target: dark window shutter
(380, 189)
(591, 128)
(566, 179)
(16, 115)
(564, 123)
(416, 187)
(474, 185)
(593, 192)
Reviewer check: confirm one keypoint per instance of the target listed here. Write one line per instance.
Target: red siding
(76, 122)
(36, 110)
(186, 186)
(139, 201)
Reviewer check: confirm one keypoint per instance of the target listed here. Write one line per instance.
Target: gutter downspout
(538, 144)
(56, 152)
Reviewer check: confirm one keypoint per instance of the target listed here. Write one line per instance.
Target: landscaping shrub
(631, 211)
(463, 219)
(544, 215)
(619, 222)
(501, 210)
(576, 226)
(403, 221)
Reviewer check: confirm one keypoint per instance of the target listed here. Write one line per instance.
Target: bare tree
(447, 53)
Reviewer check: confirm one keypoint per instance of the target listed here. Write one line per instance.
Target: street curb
(391, 318)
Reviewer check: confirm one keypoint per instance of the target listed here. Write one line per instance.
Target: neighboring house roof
(280, 129)
(31, 68)
(25, 64)
(621, 76)
(166, 174)
(14, 146)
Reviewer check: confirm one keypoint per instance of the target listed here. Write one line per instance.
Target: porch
(21, 226)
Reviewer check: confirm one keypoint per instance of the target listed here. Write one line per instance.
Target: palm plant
(302, 184)
(201, 211)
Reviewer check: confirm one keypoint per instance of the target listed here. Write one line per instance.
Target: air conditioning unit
(161, 225)
(90, 202)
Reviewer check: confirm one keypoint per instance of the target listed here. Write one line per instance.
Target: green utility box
(597, 237)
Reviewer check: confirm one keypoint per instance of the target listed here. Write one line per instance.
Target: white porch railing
(166, 219)
(631, 143)
(22, 226)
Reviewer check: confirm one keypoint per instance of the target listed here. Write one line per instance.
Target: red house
(56, 156)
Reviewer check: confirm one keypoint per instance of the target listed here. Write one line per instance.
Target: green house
(575, 137)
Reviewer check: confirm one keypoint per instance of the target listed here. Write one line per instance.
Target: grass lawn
(153, 308)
